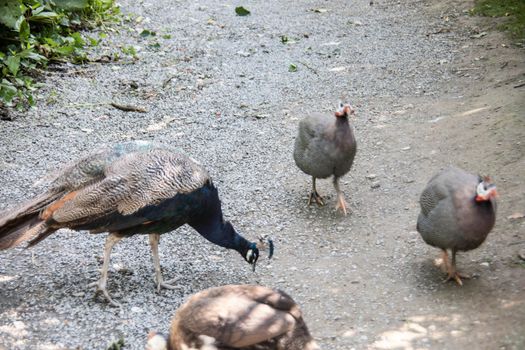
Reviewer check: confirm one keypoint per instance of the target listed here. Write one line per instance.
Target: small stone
(375, 185)
(371, 176)
(485, 264)
(405, 148)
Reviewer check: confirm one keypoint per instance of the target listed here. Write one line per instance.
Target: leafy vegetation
(513, 9)
(241, 11)
(34, 33)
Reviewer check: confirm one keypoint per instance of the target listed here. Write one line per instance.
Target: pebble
(375, 185)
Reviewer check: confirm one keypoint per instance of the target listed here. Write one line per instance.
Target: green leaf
(241, 11)
(79, 41)
(13, 64)
(10, 12)
(166, 36)
(292, 68)
(7, 91)
(155, 46)
(44, 17)
(284, 39)
(71, 5)
(24, 30)
(146, 33)
(93, 41)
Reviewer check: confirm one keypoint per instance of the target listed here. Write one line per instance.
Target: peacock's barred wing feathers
(134, 181)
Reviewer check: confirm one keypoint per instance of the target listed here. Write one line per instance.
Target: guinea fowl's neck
(211, 225)
(342, 130)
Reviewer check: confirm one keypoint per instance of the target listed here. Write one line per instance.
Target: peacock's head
(156, 341)
(486, 190)
(252, 254)
(344, 110)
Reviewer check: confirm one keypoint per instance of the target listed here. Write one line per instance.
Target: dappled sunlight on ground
(420, 332)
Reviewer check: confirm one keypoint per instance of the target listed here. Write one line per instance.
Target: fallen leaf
(337, 69)
(292, 68)
(477, 36)
(516, 216)
(241, 11)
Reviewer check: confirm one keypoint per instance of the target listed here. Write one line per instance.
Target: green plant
(514, 10)
(33, 33)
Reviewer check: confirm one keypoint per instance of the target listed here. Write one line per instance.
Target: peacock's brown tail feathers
(24, 223)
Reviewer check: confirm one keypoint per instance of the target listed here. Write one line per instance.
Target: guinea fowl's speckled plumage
(130, 188)
(244, 317)
(458, 210)
(325, 146)
(450, 216)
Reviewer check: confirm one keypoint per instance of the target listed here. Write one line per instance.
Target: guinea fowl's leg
(341, 204)
(314, 196)
(443, 262)
(111, 240)
(453, 274)
(154, 239)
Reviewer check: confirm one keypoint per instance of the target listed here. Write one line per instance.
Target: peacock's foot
(101, 288)
(315, 198)
(165, 284)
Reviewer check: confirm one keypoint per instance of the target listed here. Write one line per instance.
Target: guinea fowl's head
(486, 190)
(156, 341)
(251, 255)
(344, 110)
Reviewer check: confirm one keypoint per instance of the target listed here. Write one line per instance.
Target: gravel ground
(428, 90)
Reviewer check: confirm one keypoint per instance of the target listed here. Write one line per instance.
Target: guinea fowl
(326, 146)
(458, 210)
(231, 317)
(130, 188)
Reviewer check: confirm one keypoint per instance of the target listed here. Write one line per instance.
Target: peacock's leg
(314, 196)
(341, 203)
(154, 239)
(111, 240)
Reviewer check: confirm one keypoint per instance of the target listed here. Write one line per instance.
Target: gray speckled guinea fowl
(324, 147)
(125, 189)
(458, 210)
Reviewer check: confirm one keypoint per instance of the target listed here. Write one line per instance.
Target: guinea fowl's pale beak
(348, 110)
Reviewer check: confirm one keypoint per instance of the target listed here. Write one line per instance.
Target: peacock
(128, 188)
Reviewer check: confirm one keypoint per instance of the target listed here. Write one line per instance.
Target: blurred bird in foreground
(232, 317)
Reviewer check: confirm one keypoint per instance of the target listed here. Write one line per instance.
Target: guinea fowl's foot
(341, 204)
(101, 288)
(456, 276)
(315, 197)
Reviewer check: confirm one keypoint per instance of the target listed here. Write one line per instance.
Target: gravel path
(220, 88)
